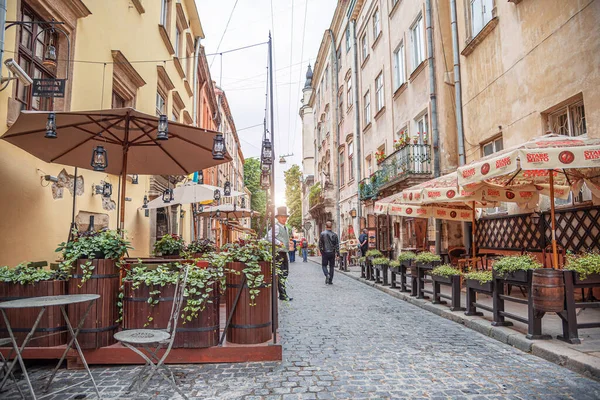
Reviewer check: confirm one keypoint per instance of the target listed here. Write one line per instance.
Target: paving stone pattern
(350, 341)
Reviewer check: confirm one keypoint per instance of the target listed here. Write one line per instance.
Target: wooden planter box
(249, 324)
(591, 279)
(442, 279)
(22, 320)
(199, 333)
(518, 276)
(100, 324)
(485, 287)
(454, 283)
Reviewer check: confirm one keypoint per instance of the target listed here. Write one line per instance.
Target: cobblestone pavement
(351, 341)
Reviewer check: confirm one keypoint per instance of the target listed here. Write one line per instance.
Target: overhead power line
(225, 31)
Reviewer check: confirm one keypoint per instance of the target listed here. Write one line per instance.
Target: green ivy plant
(104, 244)
(510, 264)
(169, 244)
(251, 252)
(482, 277)
(374, 253)
(25, 274)
(584, 265)
(406, 256)
(446, 271)
(381, 261)
(200, 246)
(197, 293)
(427, 257)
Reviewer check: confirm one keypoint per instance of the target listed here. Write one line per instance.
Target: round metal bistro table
(43, 303)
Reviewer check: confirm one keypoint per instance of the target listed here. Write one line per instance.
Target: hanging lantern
(227, 189)
(181, 214)
(243, 202)
(265, 179)
(106, 190)
(218, 150)
(99, 159)
(201, 208)
(282, 160)
(50, 54)
(167, 195)
(201, 177)
(218, 214)
(51, 127)
(145, 202)
(163, 128)
(217, 196)
(267, 152)
(135, 179)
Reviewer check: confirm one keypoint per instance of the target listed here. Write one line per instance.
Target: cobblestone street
(351, 341)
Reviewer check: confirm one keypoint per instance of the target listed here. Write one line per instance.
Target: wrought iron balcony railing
(409, 161)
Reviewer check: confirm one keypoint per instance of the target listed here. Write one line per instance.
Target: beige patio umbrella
(552, 164)
(117, 141)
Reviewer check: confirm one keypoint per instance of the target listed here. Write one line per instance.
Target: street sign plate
(48, 88)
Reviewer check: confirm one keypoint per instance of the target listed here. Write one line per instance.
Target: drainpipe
(2, 24)
(195, 82)
(434, 115)
(357, 146)
(467, 236)
(336, 137)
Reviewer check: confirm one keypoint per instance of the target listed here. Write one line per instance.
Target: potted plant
(199, 319)
(94, 258)
(480, 280)
(32, 280)
(394, 266)
(425, 138)
(198, 249)
(248, 274)
(380, 156)
(516, 268)
(170, 245)
(426, 260)
(445, 274)
(405, 258)
(373, 253)
(381, 263)
(586, 267)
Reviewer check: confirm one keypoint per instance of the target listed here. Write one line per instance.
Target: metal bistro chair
(157, 338)
(4, 366)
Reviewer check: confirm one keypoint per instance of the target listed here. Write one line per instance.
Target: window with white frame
(342, 169)
(418, 45)
(164, 12)
(367, 102)
(491, 147)
(326, 77)
(350, 161)
(376, 25)
(379, 92)
(481, 14)
(341, 103)
(399, 70)
(569, 120)
(349, 91)
(369, 162)
(160, 104)
(177, 41)
(348, 38)
(364, 47)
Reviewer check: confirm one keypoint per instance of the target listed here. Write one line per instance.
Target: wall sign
(48, 88)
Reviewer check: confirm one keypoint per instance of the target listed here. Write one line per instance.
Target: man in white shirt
(282, 240)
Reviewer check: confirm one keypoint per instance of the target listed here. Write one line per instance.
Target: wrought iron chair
(157, 338)
(4, 366)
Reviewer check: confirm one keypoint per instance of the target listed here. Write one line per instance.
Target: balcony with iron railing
(410, 161)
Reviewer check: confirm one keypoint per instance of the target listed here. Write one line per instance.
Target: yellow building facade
(122, 54)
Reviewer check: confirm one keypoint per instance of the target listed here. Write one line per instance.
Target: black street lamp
(218, 214)
(201, 208)
(267, 152)
(106, 190)
(99, 159)
(265, 179)
(145, 202)
(243, 202)
(51, 127)
(163, 128)
(218, 150)
(227, 189)
(135, 179)
(217, 196)
(201, 177)
(167, 196)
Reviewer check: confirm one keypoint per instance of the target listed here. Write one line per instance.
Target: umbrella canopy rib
(107, 129)
(166, 152)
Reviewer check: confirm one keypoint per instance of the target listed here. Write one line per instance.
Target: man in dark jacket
(363, 242)
(329, 245)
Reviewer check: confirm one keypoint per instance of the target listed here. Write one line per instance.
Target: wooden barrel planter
(249, 324)
(548, 288)
(200, 332)
(22, 320)
(100, 324)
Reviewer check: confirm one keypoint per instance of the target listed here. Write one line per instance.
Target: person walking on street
(282, 240)
(363, 242)
(329, 245)
(304, 246)
(292, 250)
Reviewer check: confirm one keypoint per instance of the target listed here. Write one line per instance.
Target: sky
(243, 74)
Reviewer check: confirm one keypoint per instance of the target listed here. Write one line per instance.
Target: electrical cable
(301, 56)
(290, 89)
(225, 31)
(275, 98)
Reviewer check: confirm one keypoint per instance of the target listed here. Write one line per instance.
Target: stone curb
(553, 350)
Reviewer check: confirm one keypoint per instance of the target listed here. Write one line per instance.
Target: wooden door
(420, 225)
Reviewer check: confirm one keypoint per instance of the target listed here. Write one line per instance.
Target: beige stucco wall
(530, 62)
(32, 222)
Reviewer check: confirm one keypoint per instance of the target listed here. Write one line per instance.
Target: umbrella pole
(123, 189)
(73, 226)
(473, 231)
(553, 221)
